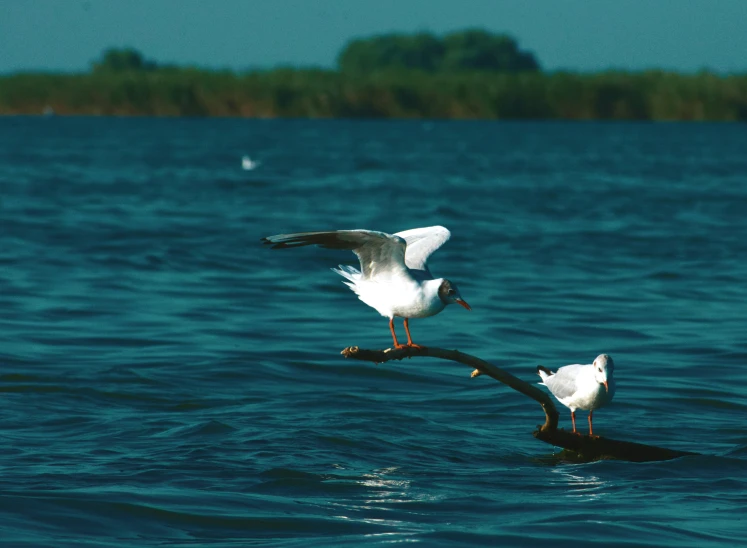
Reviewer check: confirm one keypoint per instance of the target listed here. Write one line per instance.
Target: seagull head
(603, 368)
(449, 294)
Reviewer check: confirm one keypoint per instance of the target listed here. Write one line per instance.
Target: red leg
(409, 338)
(394, 335)
(573, 420)
(591, 432)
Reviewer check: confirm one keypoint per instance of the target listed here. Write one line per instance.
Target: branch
(381, 356)
(585, 446)
(599, 448)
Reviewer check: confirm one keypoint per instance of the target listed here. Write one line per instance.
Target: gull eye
(451, 292)
(599, 369)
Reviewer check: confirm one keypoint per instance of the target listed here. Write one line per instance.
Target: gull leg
(394, 335)
(591, 432)
(573, 421)
(409, 338)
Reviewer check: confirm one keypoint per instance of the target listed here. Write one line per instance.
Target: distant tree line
(468, 50)
(122, 60)
(127, 60)
(390, 76)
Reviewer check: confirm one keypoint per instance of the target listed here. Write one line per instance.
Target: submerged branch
(593, 448)
(587, 447)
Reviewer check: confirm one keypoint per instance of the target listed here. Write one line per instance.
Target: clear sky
(583, 35)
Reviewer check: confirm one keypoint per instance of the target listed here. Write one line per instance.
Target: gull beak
(606, 387)
(464, 304)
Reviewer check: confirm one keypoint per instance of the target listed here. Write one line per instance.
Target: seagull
(577, 386)
(394, 278)
(248, 164)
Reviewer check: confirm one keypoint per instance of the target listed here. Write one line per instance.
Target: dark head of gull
(449, 294)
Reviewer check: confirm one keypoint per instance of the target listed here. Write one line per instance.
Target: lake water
(166, 380)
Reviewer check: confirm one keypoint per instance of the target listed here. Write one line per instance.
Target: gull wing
(381, 255)
(563, 384)
(421, 243)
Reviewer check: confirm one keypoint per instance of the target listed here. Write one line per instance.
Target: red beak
(464, 304)
(606, 388)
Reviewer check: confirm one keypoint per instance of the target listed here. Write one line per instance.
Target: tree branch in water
(585, 446)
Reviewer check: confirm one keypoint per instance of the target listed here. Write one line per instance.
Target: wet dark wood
(597, 448)
(540, 396)
(585, 447)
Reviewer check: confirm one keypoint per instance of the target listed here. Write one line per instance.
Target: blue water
(165, 380)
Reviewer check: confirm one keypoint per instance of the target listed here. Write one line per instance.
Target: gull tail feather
(544, 374)
(351, 274)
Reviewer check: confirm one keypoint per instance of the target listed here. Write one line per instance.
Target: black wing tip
(269, 240)
(544, 369)
(283, 241)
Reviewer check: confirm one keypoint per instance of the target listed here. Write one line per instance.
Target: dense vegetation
(469, 50)
(455, 83)
(123, 60)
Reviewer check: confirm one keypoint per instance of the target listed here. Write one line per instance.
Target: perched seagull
(248, 164)
(577, 386)
(394, 277)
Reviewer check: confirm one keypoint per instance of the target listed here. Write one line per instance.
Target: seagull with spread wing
(394, 277)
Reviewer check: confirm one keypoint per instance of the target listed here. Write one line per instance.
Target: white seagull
(247, 164)
(577, 386)
(394, 277)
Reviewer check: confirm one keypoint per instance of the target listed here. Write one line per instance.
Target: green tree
(476, 49)
(467, 50)
(123, 60)
(392, 51)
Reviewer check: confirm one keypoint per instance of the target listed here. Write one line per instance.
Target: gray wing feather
(563, 383)
(381, 255)
(421, 243)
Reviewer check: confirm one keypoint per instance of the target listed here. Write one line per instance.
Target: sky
(578, 35)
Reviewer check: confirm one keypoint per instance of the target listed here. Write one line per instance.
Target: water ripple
(167, 380)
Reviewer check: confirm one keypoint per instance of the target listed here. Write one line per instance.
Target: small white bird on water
(247, 164)
(394, 277)
(586, 387)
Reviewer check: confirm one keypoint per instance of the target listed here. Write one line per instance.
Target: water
(166, 380)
